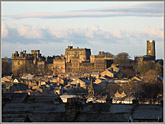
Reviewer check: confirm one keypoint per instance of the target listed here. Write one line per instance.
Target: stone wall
(81, 54)
(59, 65)
(151, 48)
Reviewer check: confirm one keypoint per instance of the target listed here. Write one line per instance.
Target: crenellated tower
(151, 48)
(21, 61)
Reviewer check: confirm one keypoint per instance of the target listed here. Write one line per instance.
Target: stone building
(76, 60)
(151, 49)
(21, 62)
(59, 65)
(20, 107)
(150, 53)
(101, 61)
(82, 54)
(80, 60)
(6, 67)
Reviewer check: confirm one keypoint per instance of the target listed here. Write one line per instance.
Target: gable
(16, 81)
(5, 79)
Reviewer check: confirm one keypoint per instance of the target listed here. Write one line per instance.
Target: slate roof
(148, 112)
(121, 108)
(112, 72)
(17, 97)
(6, 79)
(95, 108)
(107, 77)
(85, 80)
(98, 112)
(102, 117)
(14, 119)
(33, 107)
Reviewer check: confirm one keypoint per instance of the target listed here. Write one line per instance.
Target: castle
(76, 60)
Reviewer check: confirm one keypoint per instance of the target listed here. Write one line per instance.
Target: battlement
(151, 48)
(101, 55)
(82, 53)
(70, 48)
(35, 51)
(22, 55)
(150, 42)
(62, 58)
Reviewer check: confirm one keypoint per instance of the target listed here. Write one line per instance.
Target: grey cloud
(151, 7)
(14, 36)
(81, 36)
(83, 15)
(99, 41)
(145, 9)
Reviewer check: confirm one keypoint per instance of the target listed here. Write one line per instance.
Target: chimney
(102, 53)
(135, 101)
(39, 83)
(72, 108)
(99, 52)
(161, 102)
(109, 100)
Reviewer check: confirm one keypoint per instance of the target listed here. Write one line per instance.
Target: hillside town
(80, 87)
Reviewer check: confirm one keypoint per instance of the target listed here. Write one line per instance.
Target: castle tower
(151, 48)
(83, 54)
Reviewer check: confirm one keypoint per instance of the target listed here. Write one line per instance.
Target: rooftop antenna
(66, 42)
(71, 42)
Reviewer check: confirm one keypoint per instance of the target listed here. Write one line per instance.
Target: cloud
(58, 33)
(158, 33)
(54, 40)
(80, 15)
(29, 32)
(25, 34)
(143, 9)
(90, 32)
(4, 30)
(150, 7)
(118, 33)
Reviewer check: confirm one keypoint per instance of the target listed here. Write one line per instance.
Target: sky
(113, 27)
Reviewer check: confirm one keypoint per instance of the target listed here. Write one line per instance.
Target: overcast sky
(101, 26)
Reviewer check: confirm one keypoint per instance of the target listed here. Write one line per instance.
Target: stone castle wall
(81, 54)
(75, 60)
(21, 61)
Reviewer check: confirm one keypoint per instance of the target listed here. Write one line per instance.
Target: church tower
(151, 48)
(91, 89)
